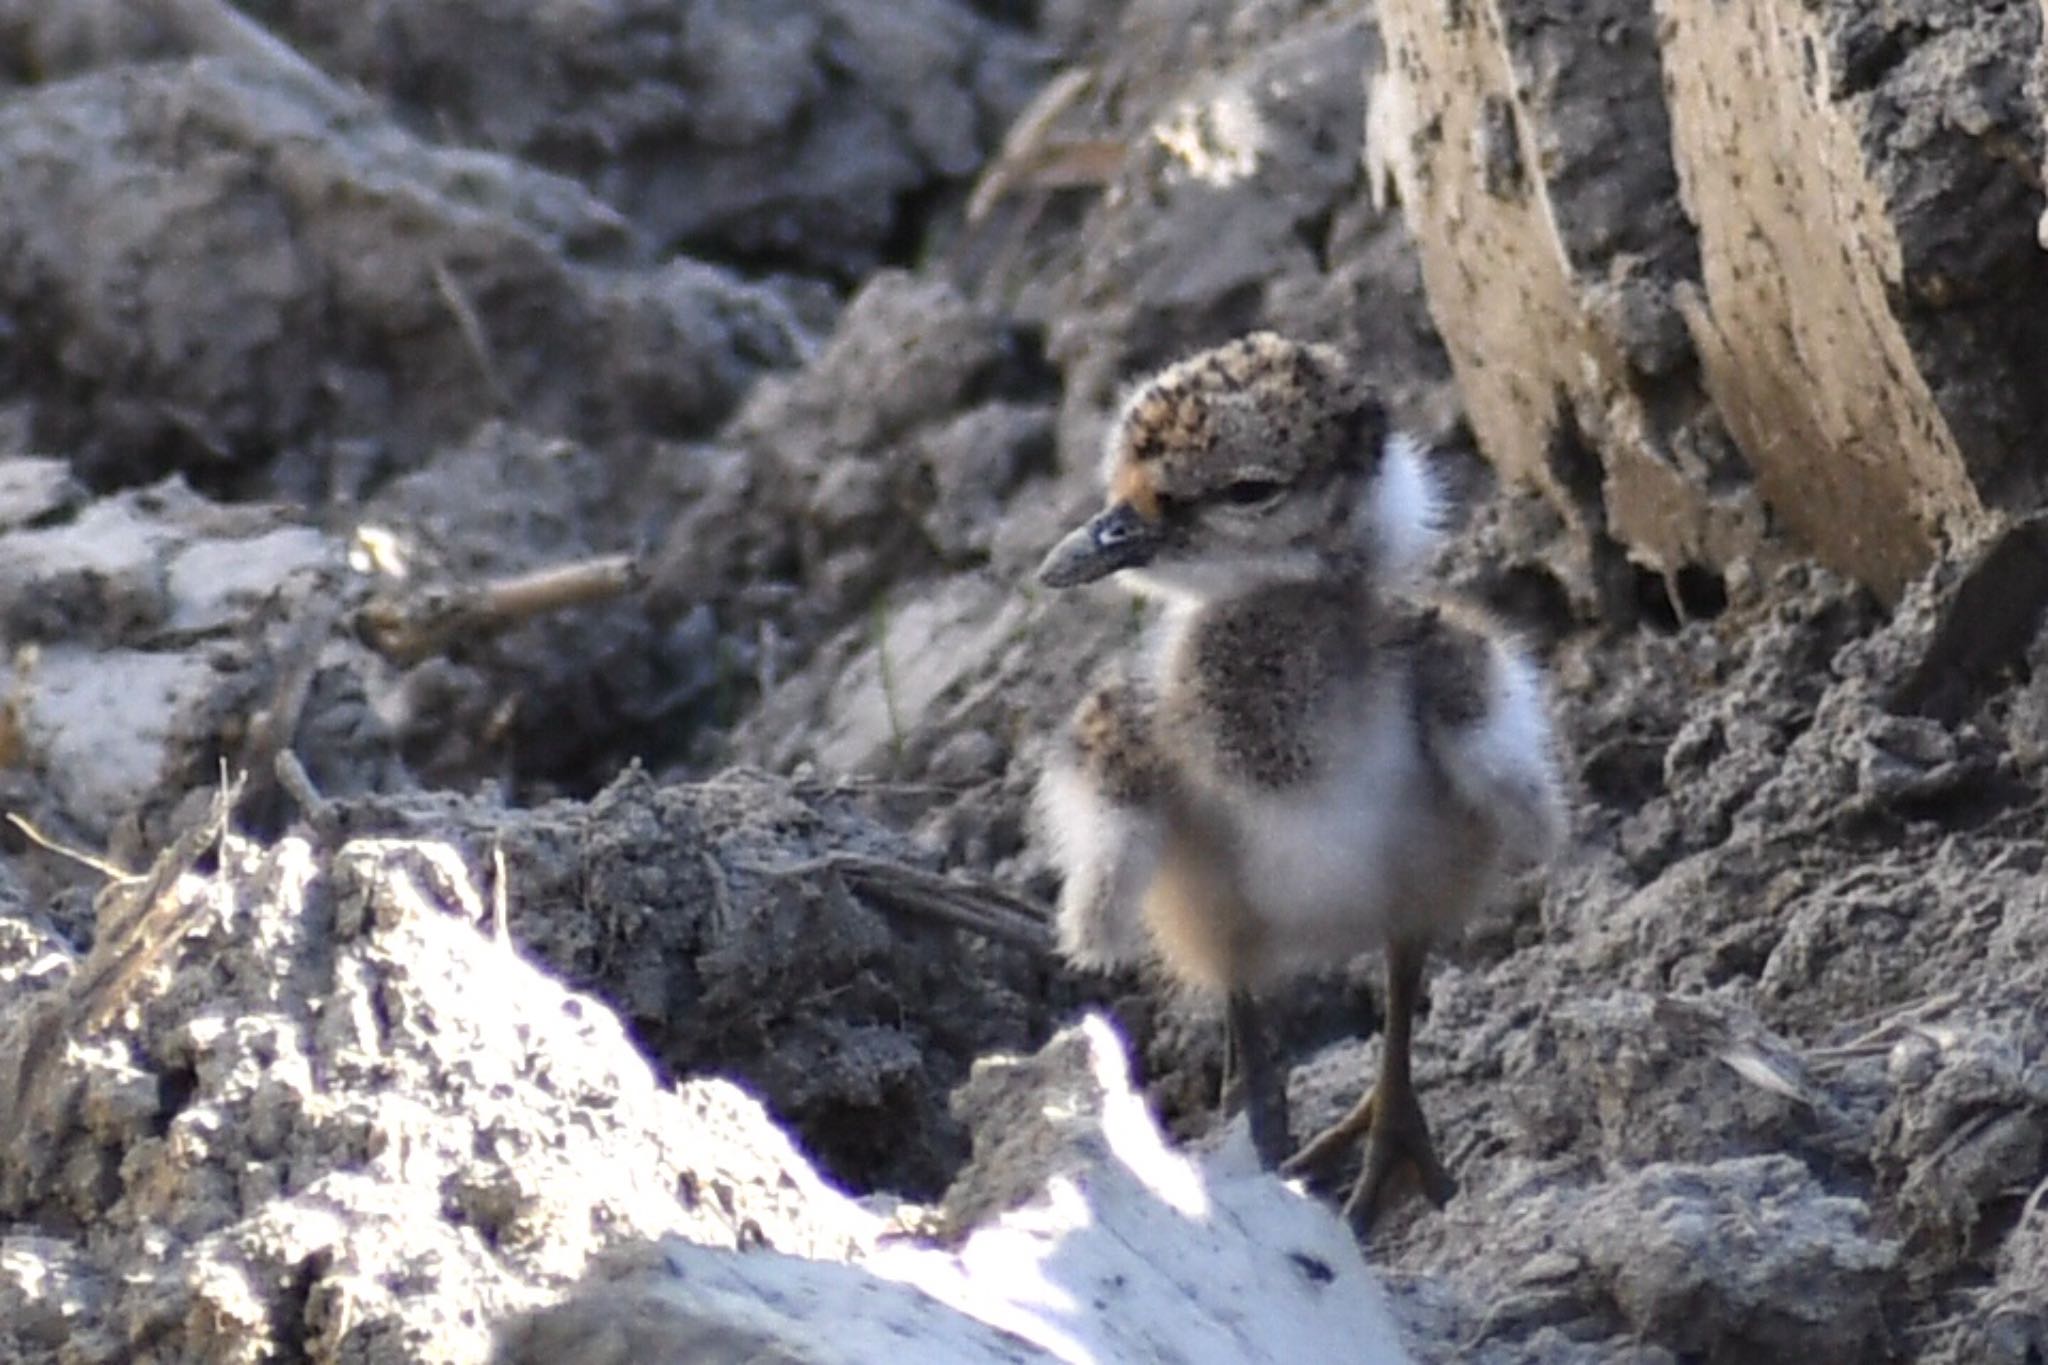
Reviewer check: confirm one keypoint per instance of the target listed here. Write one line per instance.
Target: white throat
(1198, 581)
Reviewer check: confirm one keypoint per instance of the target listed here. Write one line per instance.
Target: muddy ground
(778, 341)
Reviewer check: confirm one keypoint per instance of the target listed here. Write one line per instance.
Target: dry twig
(471, 324)
(985, 910)
(140, 920)
(275, 723)
(1034, 162)
(1034, 156)
(107, 868)
(407, 627)
(298, 785)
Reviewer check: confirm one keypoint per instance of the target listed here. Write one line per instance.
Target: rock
(1675, 1079)
(33, 957)
(974, 464)
(571, 693)
(1740, 1258)
(887, 698)
(884, 459)
(1989, 621)
(152, 627)
(915, 353)
(1971, 1108)
(149, 627)
(34, 488)
(2011, 1319)
(685, 1305)
(1240, 201)
(1735, 1260)
(146, 561)
(109, 724)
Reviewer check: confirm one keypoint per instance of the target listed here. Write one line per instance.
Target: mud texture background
(580, 464)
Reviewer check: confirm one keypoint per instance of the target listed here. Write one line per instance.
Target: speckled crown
(1294, 403)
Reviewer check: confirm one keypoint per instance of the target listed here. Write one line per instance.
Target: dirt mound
(419, 420)
(385, 293)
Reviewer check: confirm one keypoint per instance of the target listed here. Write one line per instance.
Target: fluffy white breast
(1326, 860)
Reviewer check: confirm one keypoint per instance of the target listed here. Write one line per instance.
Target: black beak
(1116, 538)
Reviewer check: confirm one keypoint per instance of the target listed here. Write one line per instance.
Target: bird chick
(1313, 761)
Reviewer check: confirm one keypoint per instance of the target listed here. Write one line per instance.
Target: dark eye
(1252, 492)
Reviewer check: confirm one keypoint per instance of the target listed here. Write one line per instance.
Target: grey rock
(885, 458)
(34, 488)
(1740, 1258)
(1077, 1247)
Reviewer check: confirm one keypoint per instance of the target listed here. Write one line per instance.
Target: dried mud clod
(253, 1051)
(317, 1027)
(775, 933)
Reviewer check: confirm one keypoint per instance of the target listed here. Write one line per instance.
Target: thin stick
(140, 920)
(298, 785)
(512, 600)
(1876, 1039)
(985, 910)
(113, 872)
(471, 324)
(274, 725)
(410, 628)
(1033, 155)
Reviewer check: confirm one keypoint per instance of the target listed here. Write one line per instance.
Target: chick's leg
(1250, 1069)
(1388, 1119)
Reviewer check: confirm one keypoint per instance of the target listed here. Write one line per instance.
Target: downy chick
(1312, 762)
